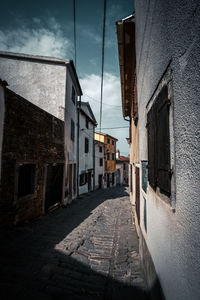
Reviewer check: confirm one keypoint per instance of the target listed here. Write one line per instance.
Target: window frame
(33, 193)
(73, 95)
(101, 161)
(72, 130)
(166, 79)
(87, 148)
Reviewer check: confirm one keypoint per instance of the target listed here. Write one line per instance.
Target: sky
(46, 28)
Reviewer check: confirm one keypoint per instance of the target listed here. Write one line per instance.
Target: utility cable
(117, 106)
(74, 8)
(102, 66)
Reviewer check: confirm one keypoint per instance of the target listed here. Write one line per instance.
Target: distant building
(87, 124)
(109, 157)
(32, 159)
(122, 167)
(51, 84)
(99, 164)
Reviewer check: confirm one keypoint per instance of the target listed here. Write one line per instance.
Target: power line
(102, 67)
(117, 106)
(74, 7)
(107, 128)
(115, 127)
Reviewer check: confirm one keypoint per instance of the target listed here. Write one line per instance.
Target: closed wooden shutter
(163, 142)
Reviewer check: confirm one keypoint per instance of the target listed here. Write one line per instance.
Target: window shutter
(163, 142)
(151, 128)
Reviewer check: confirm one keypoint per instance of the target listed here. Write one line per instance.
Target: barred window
(159, 170)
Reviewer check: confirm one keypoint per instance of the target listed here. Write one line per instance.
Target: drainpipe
(78, 133)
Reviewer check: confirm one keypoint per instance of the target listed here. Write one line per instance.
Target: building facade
(165, 139)
(51, 84)
(122, 169)
(87, 124)
(32, 160)
(109, 158)
(99, 165)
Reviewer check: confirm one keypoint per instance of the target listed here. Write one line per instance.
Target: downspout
(78, 134)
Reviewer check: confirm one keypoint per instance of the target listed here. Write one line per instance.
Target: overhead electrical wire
(102, 66)
(74, 10)
(117, 106)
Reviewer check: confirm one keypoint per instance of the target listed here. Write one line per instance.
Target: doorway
(54, 185)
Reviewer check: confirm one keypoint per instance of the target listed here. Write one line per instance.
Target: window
(159, 171)
(83, 179)
(108, 155)
(144, 175)
(100, 149)
(26, 180)
(113, 156)
(86, 145)
(73, 95)
(101, 162)
(124, 167)
(113, 142)
(108, 141)
(72, 130)
(86, 123)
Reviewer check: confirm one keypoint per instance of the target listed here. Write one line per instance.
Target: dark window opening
(113, 156)
(26, 180)
(73, 95)
(159, 171)
(101, 162)
(124, 166)
(108, 155)
(72, 130)
(113, 142)
(108, 141)
(86, 145)
(83, 179)
(86, 123)
(100, 149)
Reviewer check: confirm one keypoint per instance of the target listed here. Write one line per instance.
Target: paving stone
(88, 250)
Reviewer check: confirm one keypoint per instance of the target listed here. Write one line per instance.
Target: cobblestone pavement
(88, 250)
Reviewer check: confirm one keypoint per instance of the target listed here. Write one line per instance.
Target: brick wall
(31, 135)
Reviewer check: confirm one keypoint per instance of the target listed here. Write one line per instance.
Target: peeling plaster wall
(170, 31)
(43, 84)
(2, 111)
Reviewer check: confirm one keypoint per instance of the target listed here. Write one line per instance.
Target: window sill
(161, 197)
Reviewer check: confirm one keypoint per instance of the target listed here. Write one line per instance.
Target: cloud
(112, 111)
(89, 33)
(91, 86)
(44, 39)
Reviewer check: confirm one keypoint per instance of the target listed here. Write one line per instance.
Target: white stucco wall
(99, 170)
(2, 111)
(41, 83)
(170, 30)
(85, 159)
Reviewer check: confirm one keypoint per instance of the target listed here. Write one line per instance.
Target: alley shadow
(68, 279)
(31, 267)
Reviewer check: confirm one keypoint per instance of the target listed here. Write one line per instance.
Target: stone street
(87, 250)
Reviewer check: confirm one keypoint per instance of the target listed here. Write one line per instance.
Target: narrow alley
(88, 250)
